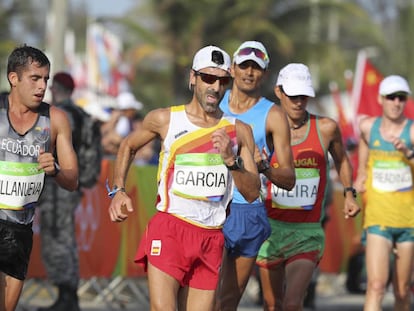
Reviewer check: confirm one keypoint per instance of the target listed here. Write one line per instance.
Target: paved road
(120, 294)
(339, 303)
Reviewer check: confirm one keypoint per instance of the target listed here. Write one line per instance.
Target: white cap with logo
(393, 84)
(252, 50)
(211, 56)
(296, 79)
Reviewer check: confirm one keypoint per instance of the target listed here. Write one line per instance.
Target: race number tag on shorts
(391, 176)
(303, 195)
(20, 184)
(155, 248)
(200, 176)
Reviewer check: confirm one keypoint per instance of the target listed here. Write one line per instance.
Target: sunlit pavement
(131, 294)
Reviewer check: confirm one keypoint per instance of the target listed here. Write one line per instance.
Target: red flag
(365, 90)
(366, 85)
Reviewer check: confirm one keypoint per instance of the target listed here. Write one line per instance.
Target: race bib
(20, 184)
(391, 176)
(200, 176)
(304, 194)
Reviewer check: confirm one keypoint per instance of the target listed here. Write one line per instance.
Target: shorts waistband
(247, 205)
(15, 224)
(186, 223)
(296, 225)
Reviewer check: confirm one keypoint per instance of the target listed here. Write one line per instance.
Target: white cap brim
(241, 59)
(297, 89)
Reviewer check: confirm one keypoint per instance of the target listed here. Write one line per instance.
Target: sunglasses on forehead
(401, 97)
(247, 51)
(210, 79)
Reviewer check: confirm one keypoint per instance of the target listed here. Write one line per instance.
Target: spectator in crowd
(97, 111)
(57, 214)
(127, 106)
(120, 123)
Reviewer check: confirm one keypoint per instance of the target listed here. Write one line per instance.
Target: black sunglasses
(401, 97)
(210, 79)
(295, 97)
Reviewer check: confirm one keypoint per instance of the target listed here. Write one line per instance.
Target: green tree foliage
(161, 36)
(19, 24)
(318, 32)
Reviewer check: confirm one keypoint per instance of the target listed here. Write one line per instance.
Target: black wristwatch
(57, 169)
(238, 164)
(352, 189)
(263, 166)
(411, 155)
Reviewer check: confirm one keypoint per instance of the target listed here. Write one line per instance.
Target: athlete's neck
(240, 102)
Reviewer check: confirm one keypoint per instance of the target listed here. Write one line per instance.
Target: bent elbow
(291, 185)
(74, 188)
(71, 186)
(290, 182)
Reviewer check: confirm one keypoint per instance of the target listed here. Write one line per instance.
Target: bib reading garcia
(200, 176)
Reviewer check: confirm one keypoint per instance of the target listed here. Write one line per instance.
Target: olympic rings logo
(33, 170)
(307, 173)
(215, 160)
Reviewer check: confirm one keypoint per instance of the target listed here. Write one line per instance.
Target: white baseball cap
(127, 100)
(296, 79)
(252, 50)
(97, 111)
(211, 56)
(393, 84)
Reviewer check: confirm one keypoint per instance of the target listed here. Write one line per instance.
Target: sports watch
(263, 166)
(57, 169)
(238, 164)
(351, 189)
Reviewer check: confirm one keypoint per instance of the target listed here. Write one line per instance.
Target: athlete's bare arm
(333, 140)
(363, 152)
(61, 136)
(247, 180)
(155, 124)
(277, 126)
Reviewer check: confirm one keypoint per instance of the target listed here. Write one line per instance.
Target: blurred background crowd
(144, 47)
(128, 57)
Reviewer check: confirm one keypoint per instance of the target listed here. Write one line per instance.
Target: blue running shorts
(245, 229)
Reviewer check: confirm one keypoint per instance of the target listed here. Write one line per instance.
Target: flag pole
(358, 81)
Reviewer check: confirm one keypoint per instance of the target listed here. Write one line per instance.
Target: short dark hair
(65, 80)
(23, 56)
